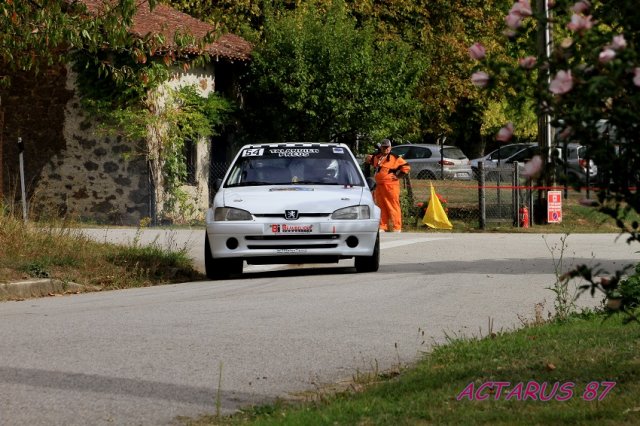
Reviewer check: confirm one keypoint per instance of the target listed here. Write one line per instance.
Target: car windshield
(300, 165)
(452, 152)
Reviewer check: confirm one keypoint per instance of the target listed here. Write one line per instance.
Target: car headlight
(352, 213)
(229, 213)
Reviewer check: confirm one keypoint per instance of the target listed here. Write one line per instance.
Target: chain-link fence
(492, 197)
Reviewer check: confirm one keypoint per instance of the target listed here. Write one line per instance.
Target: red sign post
(554, 206)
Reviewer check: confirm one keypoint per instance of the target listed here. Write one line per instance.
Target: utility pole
(22, 187)
(544, 119)
(1, 143)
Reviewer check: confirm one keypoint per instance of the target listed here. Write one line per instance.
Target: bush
(629, 290)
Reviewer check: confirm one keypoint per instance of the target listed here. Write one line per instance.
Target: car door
(422, 162)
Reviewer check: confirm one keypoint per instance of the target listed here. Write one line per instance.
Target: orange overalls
(387, 192)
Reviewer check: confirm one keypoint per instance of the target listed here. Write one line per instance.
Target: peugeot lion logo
(291, 214)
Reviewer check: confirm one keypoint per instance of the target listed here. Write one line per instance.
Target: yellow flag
(435, 216)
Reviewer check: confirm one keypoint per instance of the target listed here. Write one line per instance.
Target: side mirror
(217, 184)
(371, 183)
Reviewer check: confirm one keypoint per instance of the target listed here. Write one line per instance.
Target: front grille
(291, 246)
(281, 215)
(292, 237)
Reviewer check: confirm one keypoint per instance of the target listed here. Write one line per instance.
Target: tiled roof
(168, 21)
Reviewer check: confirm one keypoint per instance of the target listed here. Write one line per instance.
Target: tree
(317, 76)
(38, 34)
(437, 31)
(590, 87)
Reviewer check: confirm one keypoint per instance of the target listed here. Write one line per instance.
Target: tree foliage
(590, 88)
(438, 32)
(320, 76)
(35, 35)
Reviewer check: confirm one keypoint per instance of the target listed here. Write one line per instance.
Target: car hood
(304, 198)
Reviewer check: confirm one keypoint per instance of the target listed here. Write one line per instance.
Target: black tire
(426, 174)
(217, 269)
(369, 263)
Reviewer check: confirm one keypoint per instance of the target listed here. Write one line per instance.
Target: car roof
(292, 144)
(522, 144)
(425, 145)
(518, 152)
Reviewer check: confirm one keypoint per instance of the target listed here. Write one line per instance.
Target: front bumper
(268, 242)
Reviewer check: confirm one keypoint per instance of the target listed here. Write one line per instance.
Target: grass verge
(581, 354)
(464, 213)
(54, 251)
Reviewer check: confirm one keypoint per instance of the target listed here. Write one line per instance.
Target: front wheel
(369, 263)
(217, 269)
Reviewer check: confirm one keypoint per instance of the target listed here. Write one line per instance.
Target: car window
(582, 152)
(524, 154)
(418, 152)
(321, 165)
(453, 152)
(505, 152)
(400, 150)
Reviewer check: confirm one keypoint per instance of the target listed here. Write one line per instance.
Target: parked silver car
(577, 165)
(574, 158)
(430, 161)
(500, 155)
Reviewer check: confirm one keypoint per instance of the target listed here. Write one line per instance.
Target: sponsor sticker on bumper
(286, 228)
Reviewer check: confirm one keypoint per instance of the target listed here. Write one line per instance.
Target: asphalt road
(145, 356)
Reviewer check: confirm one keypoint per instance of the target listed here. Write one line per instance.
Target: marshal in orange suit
(389, 169)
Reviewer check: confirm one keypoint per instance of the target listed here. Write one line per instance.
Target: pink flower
(513, 20)
(606, 55)
(562, 83)
(527, 63)
(636, 76)
(566, 42)
(581, 7)
(533, 167)
(618, 42)
(522, 8)
(480, 79)
(580, 23)
(506, 133)
(477, 51)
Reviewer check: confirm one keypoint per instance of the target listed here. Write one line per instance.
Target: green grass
(581, 350)
(54, 250)
(462, 199)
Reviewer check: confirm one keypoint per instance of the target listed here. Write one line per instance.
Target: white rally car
(292, 203)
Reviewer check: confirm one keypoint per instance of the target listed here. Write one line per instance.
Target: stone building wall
(106, 179)
(95, 177)
(204, 81)
(33, 108)
(72, 168)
